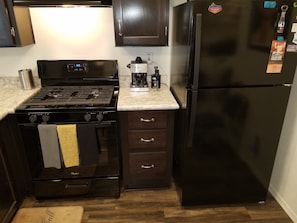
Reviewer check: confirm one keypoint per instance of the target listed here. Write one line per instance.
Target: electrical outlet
(149, 57)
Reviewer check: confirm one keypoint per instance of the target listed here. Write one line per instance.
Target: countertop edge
(11, 86)
(161, 99)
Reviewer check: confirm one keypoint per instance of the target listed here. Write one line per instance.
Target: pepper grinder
(156, 78)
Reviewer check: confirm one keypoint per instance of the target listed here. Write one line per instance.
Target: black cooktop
(75, 84)
(71, 95)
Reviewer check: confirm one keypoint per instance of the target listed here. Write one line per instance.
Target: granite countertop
(12, 95)
(154, 99)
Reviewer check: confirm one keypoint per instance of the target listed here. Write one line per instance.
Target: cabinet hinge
(166, 30)
(12, 31)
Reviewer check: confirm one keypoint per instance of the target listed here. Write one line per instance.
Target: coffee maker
(138, 70)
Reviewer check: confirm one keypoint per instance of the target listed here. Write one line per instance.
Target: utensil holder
(26, 79)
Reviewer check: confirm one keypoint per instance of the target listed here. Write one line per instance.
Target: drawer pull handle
(147, 166)
(120, 27)
(147, 120)
(147, 140)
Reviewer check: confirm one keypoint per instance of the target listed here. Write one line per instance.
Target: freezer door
(233, 143)
(233, 47)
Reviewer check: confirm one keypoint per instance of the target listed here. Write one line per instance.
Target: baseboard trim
(283, 203)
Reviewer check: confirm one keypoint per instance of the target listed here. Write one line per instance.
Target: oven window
(91, 150)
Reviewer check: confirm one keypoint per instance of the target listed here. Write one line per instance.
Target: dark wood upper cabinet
(15, 25)
(141, 22)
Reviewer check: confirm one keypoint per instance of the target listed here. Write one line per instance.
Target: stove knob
(32, 118)
(87, 117)
(99, 116)
(45, 117)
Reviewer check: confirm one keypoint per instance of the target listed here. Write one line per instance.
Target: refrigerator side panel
(181, 44)
(235, 138)
(180, 54)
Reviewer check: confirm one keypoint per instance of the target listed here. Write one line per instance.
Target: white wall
(77, 33)
(87, 33)
(283, 185)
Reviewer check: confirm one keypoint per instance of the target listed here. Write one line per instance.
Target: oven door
(98, 159)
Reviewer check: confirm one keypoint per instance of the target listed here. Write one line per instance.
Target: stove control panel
(52, 117)
(34, 117)
(77, 67)
(88, 116)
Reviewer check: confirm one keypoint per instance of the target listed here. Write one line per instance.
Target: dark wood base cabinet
(7, 196)
(12, 169)
(146, 141)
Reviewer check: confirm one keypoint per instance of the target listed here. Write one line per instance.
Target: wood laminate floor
(162, 206)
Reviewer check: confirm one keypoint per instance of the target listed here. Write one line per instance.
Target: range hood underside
(61, 3)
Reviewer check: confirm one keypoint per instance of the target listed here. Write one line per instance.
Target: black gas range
(77, 99)
(84, 87)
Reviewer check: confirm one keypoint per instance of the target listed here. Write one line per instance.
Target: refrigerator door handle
(192, 115)
(198, 29)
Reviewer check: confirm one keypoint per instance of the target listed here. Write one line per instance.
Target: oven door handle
(104, 123)
(32, 125)
(70, 186)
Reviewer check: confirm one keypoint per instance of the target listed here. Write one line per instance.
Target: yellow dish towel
(68, 143)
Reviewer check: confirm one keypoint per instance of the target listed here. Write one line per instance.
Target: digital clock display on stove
(77, 67)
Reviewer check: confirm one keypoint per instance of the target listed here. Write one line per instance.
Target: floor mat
(71, 214)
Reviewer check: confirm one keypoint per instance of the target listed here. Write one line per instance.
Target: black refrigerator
(232, 66)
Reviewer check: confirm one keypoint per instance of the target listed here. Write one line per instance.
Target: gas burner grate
(72, 95)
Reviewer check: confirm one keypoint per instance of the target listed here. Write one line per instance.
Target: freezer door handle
(198, 29)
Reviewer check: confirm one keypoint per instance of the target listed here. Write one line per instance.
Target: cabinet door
(141, 22)
(7, 201)
(15, 25)
(5, 34)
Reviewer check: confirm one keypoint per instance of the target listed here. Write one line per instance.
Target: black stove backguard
(79, 96)
(78, 72)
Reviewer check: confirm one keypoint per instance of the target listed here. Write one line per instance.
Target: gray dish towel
(49, 145)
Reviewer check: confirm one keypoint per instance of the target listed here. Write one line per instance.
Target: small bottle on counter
(156, 79)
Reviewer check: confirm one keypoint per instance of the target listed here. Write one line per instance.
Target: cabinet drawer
(85, 187)
(147, 165)
(147, 139)
(147, 120)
